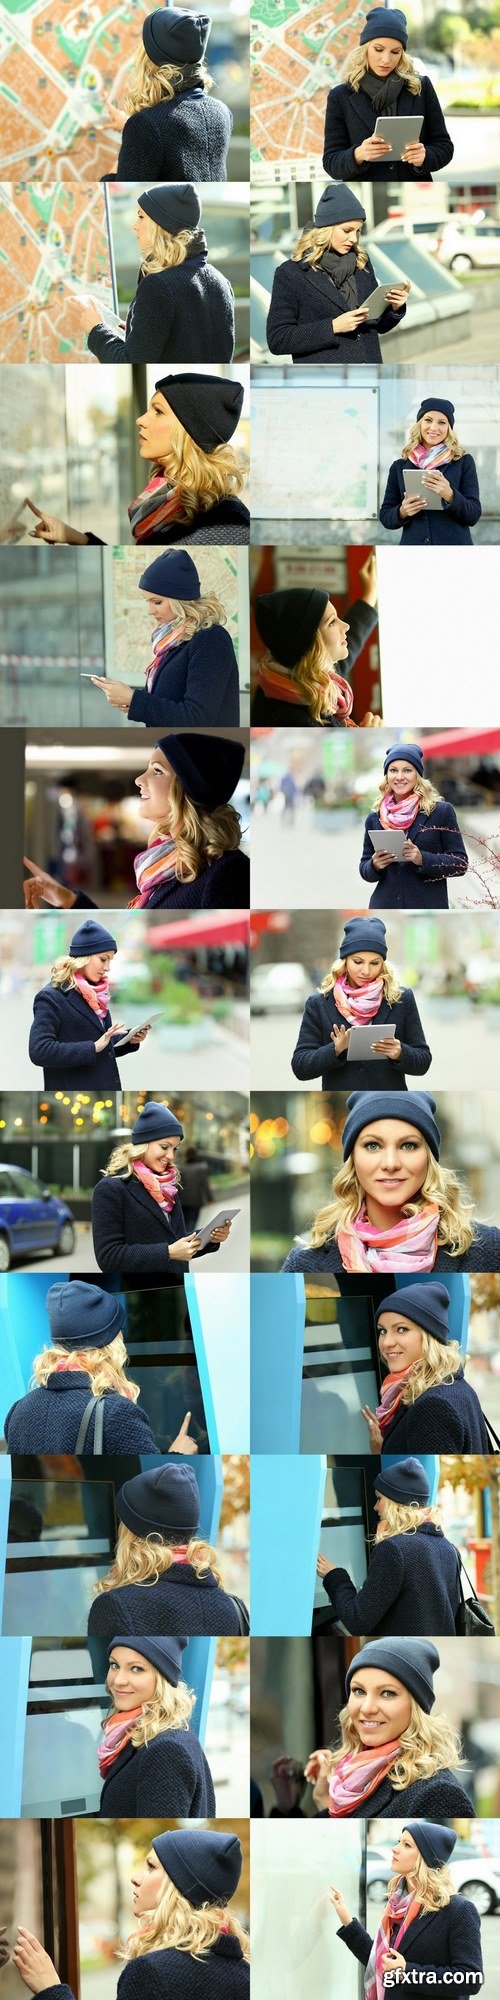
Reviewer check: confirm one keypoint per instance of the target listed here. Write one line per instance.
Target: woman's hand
(118, 1028)
(371, 149)
(185, 1248)
(141, 1034)
(323, 1567)
(392, 1049)
(117, 692)
(115, 118)
(351, 321)
(340, 1906)
(381, 860)
(317, 1772)
(413, 503)
(33, 1963)
(51, 529)
(368, 580)
(398, 295)
(87, 312)
(414, 153)
(183, 1442)
(42, 888)
(341, 1038)
(370, 721)
(374, 1431)
(393, 1961)
(412, 853)
(438, 483)
(220, 1235)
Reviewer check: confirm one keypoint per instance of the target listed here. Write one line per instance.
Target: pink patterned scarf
(163, 638)
(357, 1775)
(400, 1911)
(154, 865)
(358, 1003)
(409, 1245)
(391, 1395)
(162, 1187)
(96, 995)
(117, 1732)
(398, 812)
(278, 685)
(430, 455)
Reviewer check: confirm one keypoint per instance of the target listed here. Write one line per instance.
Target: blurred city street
(456, 1048)
(304, 864)
(234, 1255)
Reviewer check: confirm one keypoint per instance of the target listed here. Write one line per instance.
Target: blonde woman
(192, 859)
(425, 1402)
(449, 473)
(192, 495)
(394, 1757)
(300, 679)
(184, 308)
(170, 127)
(318, 308)
(193, 676)
(393, 1207)
(165, 1576)
(137, 1220)
(86, 1360)
(187, 1930)
(432, 851)
(413, 1581)
(380, 81)
(425, 1932)
(150, 1759)
(361, 989)
(72, 1032)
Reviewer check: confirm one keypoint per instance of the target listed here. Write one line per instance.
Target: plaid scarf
(399, 1913)
(163, 637)
(117, 1732)
(409, 1245)
(155, 864)
(391, 1395)
(96, 994)
(358, 1003)
(153, 508)
(398, 812)
(430, 455)
(278, 685)
(357, 1775)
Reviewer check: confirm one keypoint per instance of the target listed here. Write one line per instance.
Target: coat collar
(322, 283)
(72, 1378)
(185, 1574)
(417, 1928)
(368, 117)
(139, 1193)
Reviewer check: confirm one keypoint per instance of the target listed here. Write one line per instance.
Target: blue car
(31, 1218)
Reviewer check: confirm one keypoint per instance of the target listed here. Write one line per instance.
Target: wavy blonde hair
(433, 1886)
(145, 1558)
(199, 612)
(436, 1364)
(63, 971)
(168, 1708)
(356, 65)
(403, 1520)
(313, 242)
(312, 675)
(165, 250)
(456, 449)
(441, 1185)
(121, 1160)
(105, 1366)
(174, 1925)
(201, 478)
(150, 81)
(428, 1744)
(427, 794)
(199, 836)
(390, 981)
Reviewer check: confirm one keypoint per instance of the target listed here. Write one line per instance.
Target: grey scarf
(342, 270)
(383, 92)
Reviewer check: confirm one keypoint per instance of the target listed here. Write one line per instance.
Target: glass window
(51, 608)
(67, 439)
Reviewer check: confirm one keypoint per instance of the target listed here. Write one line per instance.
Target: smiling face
(400, 1341)
(384, 55)
(362, 966)
(155, 428)
(379, 1706)
(154, 786)
(434, 427)
(334, 634)
(130, 1678)
(98, 966)
(405, 1854)
(401, 777)
(148, 1883)
(390, 1160)
(160, 1154)
(345, 236)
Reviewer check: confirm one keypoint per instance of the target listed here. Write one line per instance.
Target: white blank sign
(314, 452)
(439, 636)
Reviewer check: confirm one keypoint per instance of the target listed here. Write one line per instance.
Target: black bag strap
(492, 1436)
(463, 1571)
(94, 1403)
(242, 1616)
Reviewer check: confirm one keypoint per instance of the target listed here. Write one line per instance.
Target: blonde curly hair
(390, 982)
(121, 1160)
(168, 1708)
(150, 82)
(403, 1520)
(427, 794)
(313, 242)
(428, 1744)
(105, 1366)
(201, 478)
(313, 677)
(456, 449)
(441, 1185)
(165, 250)
(144, 1559)
(63, 971)
(356, 65)
(433, 1886)
(175, 1925)
(199, 836)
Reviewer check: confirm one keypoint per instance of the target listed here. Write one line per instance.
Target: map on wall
(55, 59)
(325, 467)
(53, 241)
(297, 50)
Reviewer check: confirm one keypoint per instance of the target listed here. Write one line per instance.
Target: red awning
(461, 742)
(221, 927)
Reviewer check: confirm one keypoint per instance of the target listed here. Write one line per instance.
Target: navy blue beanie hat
(165, 1502)
(164, 1654)
(363, 934)
(173, 574)
(155, 1121)
(437, 403)
(175, 205)
(90, 937)
(208, 766)
(408, 753)
(388, 22)
(208, 406)
(434, 1842)
(170, 36)
(337, 203)
(287, 622)
(412, 1661)
(426, 1305)
(405, 1482)
(205, 1866)
(82, 1315)
(418, 1109)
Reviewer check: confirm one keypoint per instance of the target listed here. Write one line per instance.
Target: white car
(467, 245)
(279, 989)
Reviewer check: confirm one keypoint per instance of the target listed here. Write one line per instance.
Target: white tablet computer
(399, 132)
(413, 483)
(360, 1046)
(217, 1222)
(387, 840)
(148, 1023)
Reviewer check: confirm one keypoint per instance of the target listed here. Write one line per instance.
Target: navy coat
(304, 302)
(437, 1941)
(132, 1233)
(227, 522)
(181, 1601)
(221, 885)
(196, 685)
(184, 313)
(439, 1798)
(274, 714)
(351, 117)
(183, 138)
(412, 1586)
(48, 1420)
(63, 1039)
(404, 887)
(483, 1255)
(175, 1975)
(315, 1054)
(441, 528)
(169, 1776)
(446, 1418)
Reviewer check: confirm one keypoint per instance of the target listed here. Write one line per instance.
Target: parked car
(472, 1873)
(31, 1218)
(279, 989)
(465, 245)
(425, 230)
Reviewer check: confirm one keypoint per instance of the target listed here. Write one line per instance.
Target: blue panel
(198, 1663)
(278, 1313)
(24, 1330)
(219, 1315)
(15, 1661)
(458, 1288)
(290, 1492)
(5, 1491)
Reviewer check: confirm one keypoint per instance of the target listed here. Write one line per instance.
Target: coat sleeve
(416, 1056)
(45, 1044)
(361, 1610)
(113, 1250)
(361, 619)
(139, 152)
(389, 512)
(148, 326)
(286, 332)
(357, 1940)
(165, 1781)
(465, 506)
(338, 156)
(366, 868)
(312, 1056)
(211, 665)
(451, 857)
(439, 147)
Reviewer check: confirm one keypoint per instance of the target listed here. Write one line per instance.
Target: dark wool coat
(169, 1776)
(48, 1420)
(181, 1601)
(227, 522)
(482, 1255)
(304, 302)
(455, 518)
(63, 1039)
(439, 1798)
(351, 117)
(222, 885)
(403, 887)
(446, 1418)
(196, 685)
(176, 1975)
(183, 138)
(268, 710)
(315, 1053)
(132, 1233)
(412, 1586)
(436, 1941)
(185, 313)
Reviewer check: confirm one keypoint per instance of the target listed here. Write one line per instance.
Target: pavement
(454, 1030)
(297, 866)
(234, 1255)
(221, 1051)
